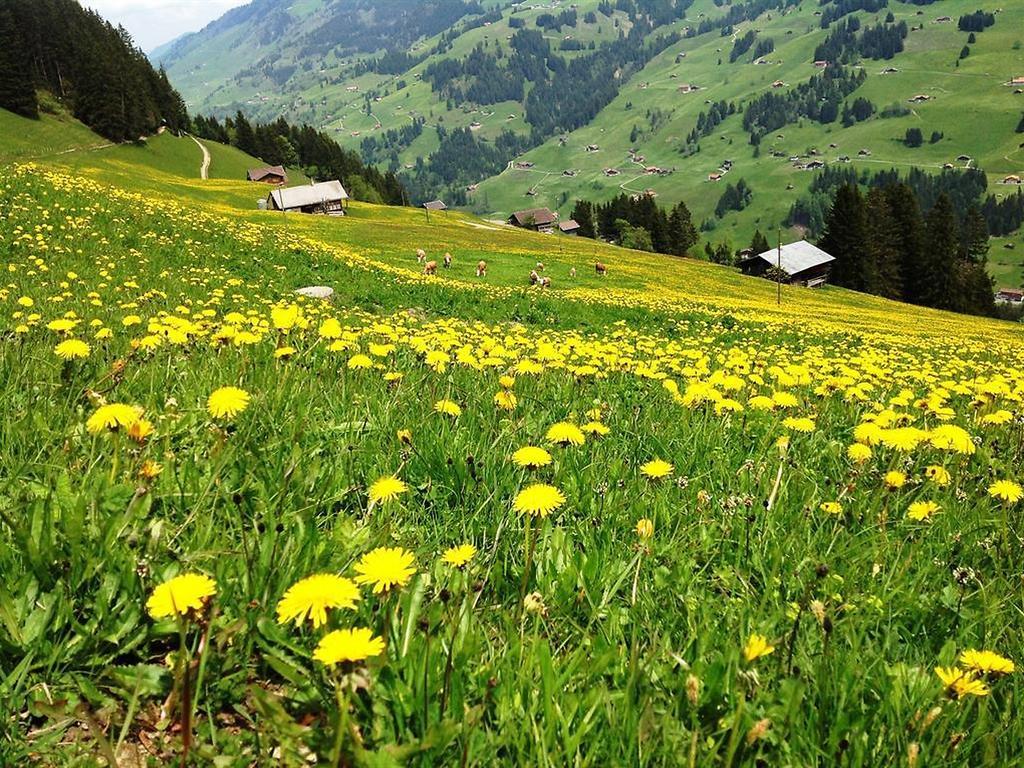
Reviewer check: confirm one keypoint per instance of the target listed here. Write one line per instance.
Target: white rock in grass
(316, 292)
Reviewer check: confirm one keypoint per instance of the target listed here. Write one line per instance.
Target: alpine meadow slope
(665, 516)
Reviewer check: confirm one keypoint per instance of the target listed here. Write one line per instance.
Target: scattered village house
(436, 205)
(327, 197)
(801, 264)
(1009, 296)
(538, 219)
(271, 174)
(569, 227)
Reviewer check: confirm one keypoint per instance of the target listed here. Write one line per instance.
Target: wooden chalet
(800, 262)
(271, 174)
(537, 219)
(325, 197)
(436, 205)
(569, 227)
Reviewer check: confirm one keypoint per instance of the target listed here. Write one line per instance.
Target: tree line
(638, 222)
(92, 67)
(884, 244)
(320, 156)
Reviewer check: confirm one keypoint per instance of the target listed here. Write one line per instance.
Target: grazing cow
(545, 282)
(430, 268)
(534, 277)
(601, 269)
(572, 272)
(421, 255)
(481, 269)
(447, 261)
(540, 266)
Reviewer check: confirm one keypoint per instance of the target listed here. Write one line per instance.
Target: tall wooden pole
(778, 271)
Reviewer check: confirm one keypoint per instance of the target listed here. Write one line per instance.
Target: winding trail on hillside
(204, 169)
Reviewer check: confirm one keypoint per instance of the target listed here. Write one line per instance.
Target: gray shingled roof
(796, 257)
(258, 174)
(309, 194)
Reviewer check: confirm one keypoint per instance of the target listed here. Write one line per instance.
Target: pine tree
(909, 233)
(845, 236)
(583, 214)
(245, 137)
(942, 246)
(17, 91)
(759, 243)
(882, 254)
(682, 234)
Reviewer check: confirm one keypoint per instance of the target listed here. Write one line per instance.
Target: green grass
(628, 651)
(25, 139)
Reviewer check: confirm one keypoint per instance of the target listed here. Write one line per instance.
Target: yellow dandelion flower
(937, 475)
(960, 683)
(595, 429)
(448, 408)
(831, 507)
(656, 469)
(359, 362)
(181, 595)
(950, 437)
(505, 400)
(386, 489)
(756, 647)
(987, 663)
(348, 646)
(139, 430)
(72, 349)
(385, 568)
(1006, 491)
(644, 528)
(112, 417)
(311, 597)
(922, 510)
(563, 433)
(538, 500)
(227, 402)
(459, 557)
(894, 480)
(283, 353)
(150, 469)
(858, 453)
(799, 424)
(532, 457)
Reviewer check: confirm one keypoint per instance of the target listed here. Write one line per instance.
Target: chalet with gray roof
(270, 174)
(801, 264)
(326, 197)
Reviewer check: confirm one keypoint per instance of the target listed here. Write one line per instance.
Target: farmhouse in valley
(327, 197)
(436, 205)
(271, 174)
(1009, 296)
(537, 219)
(569, 227)
(801, 264)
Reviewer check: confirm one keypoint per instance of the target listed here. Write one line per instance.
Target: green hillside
(663, 517)
(969, 104)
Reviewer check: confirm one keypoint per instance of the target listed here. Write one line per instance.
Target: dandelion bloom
(386, 489)
(799, 424)
(227, 402)
(1006, 491)
(72, 349)
(894, 480)
(359, 362)
(858, 453)
(180, 595)
(831, 507)
(937, 475)
(459, 557)
(348, 645)
(311, 597)
(596, 428)
(505, 400)
(922, 510)
(404, 436)
(283, 353)
(532, 457)
(284, 318)
(960, 683)
(150, 469)
(112, 417)
(448, 408)
(656, 469)
(987, 663)
(139, 430)
(950, 437)
(563, 433)
(644, 528)
(385, 567)
(539, 500)
(756, 647)
(329, 329)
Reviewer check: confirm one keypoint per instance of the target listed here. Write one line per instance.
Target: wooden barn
(801, 263)
(271, 174)
(326, 197)
(537, 219)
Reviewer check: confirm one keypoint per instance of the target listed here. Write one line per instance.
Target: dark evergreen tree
(881, 251)
(759, 243)
(245, 137)
(583, 214)
(941, 254)
(909, 236)
(845, 238)
(17, 92)
(682, 234)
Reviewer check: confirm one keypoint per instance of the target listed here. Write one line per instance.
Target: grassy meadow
(745, 532)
